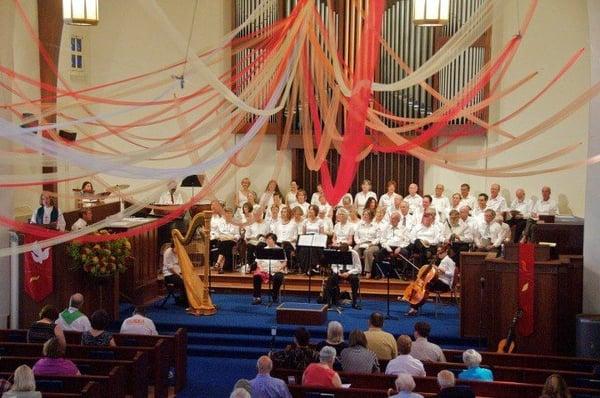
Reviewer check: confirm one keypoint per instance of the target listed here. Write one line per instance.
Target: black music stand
(270, 254)
(311, 241)
(343, 258)
(389, 270)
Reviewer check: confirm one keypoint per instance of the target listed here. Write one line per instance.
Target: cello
(416, 291)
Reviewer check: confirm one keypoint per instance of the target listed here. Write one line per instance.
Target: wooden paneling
(377, 167)
(557, 299)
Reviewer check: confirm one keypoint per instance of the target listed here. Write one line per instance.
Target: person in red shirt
(322, 374)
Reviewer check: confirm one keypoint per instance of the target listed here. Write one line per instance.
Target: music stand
(311, 241)
(270, 254)
(343, 258)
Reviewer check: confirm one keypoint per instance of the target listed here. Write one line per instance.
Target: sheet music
(312, 240)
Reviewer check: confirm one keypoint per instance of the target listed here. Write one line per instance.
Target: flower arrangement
(102, 259)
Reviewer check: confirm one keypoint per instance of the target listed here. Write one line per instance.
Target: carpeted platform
(243, 331)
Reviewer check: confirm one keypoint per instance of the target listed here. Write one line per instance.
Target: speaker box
(588, 335)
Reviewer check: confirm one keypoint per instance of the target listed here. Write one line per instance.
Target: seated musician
(308, 257)
(87, 195)
(48, 214)
(366, 241)
(457, 234)
(546, 207)
(228, 235)
(171, 197)
(488, 233)
(394, 240)
(286, 231)
(172, 273)
(445, 277)
(216, 219)
(268, 270)
(520, 210)
(350, 273)
(424, 237)
(85, 217)
(256, 234)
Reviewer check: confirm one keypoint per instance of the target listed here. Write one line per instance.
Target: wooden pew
(529, 361)
(112, 384)
(172, 354)
(135, 363)
(515, 374)
(298, 391)
(497, 389)
(90, 390)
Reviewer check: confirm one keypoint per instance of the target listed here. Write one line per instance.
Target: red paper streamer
(526, 288)
(37, 276)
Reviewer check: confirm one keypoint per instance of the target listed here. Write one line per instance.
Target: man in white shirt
(139, 324)
(440, 202)
(520, 211)
(171, 197)
(466, 198)
(545, 206)
(496, 201)
(488, 233)
(394, 241)
(415, 201)
(404, 362)
(464, 214)
(407, 220)
(424, 237)
(478, 211)
(85, 217)
(72, 319)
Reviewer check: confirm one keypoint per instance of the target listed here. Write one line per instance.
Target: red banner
(526, 287)
(37, 271)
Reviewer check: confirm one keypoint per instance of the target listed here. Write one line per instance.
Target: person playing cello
(441, 282)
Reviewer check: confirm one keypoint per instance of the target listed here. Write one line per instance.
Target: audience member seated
(4, 386)
(54, 363)
(98, 336)
(240, 393)
(139, 324)
(555, 387)
(24, 384)
(243, 384)
(405, 384)
(265, 386)
(72, 318)
(422, 349)
(85, 218)
(46, 328)
(382, 343)
(322, 374)
(404, 362)
(357, 358)
(472, 359)
(335, 338)
(297, 355)
(449, 389)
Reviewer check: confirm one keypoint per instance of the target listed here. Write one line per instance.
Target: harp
(196, 290)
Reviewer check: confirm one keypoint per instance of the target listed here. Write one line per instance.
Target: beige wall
(558, 29)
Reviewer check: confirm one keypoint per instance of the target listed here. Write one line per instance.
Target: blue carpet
(243, 332)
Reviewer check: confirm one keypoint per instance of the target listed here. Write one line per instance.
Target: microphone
(482, 282)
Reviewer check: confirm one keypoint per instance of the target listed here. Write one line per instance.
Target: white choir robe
(462, 230)
(524, 207)
(491, 232)
(431, 234)
(498, 204)
(544, 207)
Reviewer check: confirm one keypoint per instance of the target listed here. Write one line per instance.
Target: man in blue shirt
(265, 386)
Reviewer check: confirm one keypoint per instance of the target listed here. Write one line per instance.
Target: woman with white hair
(405, 384)
(23, 385)
(472, 359)
(322, 374)
(335, 338)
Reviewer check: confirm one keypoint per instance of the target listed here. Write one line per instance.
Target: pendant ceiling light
(431, 12)
(80, 12)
